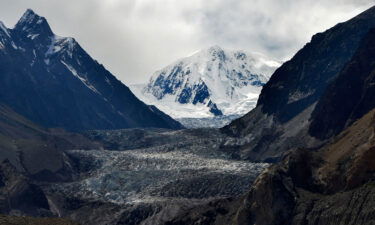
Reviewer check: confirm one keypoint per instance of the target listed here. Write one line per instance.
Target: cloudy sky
(133, 38)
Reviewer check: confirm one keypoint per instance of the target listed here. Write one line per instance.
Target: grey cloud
(133, 38)
(278, 28)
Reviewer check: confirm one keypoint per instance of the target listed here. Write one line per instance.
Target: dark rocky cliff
(350, 96)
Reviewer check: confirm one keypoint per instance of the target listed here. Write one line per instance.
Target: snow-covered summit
(33, 25)
(211, 82)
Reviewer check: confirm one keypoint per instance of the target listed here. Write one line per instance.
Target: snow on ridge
(83, 80)
(28, 20)
(60, 44)
(32, 36)
(4, 28)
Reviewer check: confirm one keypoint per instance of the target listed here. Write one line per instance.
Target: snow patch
(32, 36)
(84, 81)
(298, 95)
(61, 44)
(4, 28)
(14, 45)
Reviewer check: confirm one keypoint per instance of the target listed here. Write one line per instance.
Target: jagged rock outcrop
(18, 195)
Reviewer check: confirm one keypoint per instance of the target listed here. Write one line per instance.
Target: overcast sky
(133, 38)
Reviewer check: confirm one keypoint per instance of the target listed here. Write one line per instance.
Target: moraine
(175, 165)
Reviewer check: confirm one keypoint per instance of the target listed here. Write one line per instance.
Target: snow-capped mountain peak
(211, 82)
(33, 25)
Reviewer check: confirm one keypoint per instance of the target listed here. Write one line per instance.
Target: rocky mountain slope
(35, 150)
(333, 185)
(52, 81)
(211, 82)
(29, 155)
(350, 96)
(281, 119)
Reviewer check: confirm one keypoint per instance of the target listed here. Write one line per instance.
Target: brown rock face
(37, 151)
(334, 185)
(19, 195)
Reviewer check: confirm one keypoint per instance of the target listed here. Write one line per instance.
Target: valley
(194, 146)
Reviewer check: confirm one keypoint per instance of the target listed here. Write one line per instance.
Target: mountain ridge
(52, 81)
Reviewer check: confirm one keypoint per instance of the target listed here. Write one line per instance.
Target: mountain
(211, 82)
(325, 185)
(286, 105)
(53, 82)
